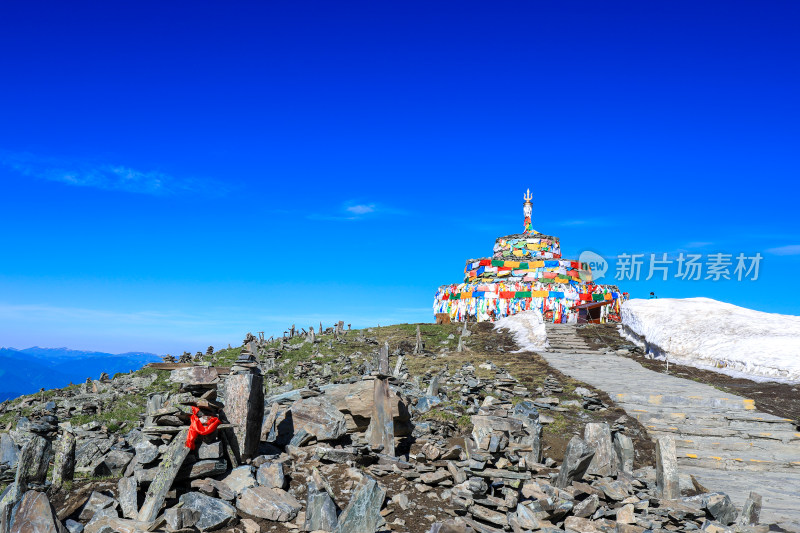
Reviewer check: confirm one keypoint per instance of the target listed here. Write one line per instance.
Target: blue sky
(174, 176)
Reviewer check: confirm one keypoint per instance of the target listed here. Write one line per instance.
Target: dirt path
(721, 438)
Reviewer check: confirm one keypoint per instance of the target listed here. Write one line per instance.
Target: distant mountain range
(26, 371)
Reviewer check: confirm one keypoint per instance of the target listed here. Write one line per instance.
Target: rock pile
(593, 490)
(449, 451)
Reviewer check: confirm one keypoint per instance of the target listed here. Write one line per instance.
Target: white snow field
(714, 335)
(527, 328)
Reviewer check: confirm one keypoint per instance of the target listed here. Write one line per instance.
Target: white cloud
(361, 209)
(354, 210)
(791, 249)
(105, 176)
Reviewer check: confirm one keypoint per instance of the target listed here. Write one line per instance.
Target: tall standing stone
(33, 462)
(433, 387)
(64, 463)
(418, 346)
(381, 425)
(598, 436)
(383, 360)
(167, 470)
(127, 496)
(526, 413)
(751, 510)
(534, 440)
(667, 483)
(244, 408)
(623, 445)
(398, 367)
(269, 422)
(31, 468)
(577, 457)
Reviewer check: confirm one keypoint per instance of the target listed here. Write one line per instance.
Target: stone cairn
(276, 459)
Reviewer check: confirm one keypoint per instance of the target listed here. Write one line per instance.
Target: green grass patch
(441, 415)
(558, 426)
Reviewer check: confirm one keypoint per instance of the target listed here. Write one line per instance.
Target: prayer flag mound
(525, 272)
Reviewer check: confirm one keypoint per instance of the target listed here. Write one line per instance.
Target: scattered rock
(214, 513)
(240, 478)
(363, 512)
(34, 514)
(271, 475)
(270, 503)
(319, 417)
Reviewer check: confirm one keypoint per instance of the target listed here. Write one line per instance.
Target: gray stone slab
(214, 513)
(319, 417)
(127, 494)
(168, 469)
(667, 482)
(362, 514)
(270, 503)
(605, 461)
(381, 427)
(195, 375)
(34, 514)
(577, 458)
(244, 408)
(64, 461)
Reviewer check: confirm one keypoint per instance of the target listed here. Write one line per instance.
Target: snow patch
(713, 335)
(527, 328)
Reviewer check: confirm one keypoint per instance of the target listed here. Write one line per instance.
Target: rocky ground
(401, 428)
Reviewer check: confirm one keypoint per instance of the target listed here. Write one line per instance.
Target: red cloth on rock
(196, 428)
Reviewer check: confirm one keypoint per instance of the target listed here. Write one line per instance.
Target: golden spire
(528, 197)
